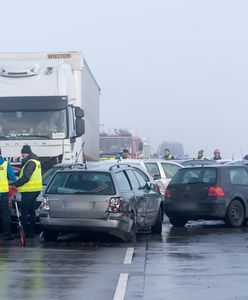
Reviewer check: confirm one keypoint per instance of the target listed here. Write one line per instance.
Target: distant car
(218, 192)
(161, 170)
(117, 199)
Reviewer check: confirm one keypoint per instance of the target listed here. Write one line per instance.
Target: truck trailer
(49, 101)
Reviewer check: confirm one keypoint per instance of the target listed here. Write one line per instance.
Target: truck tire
(177, 222)
(50, 236)
(157, 227)
(235, 215)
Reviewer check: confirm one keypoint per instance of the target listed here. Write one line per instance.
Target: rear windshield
(196, 175)
(170, 169)
(96, 183)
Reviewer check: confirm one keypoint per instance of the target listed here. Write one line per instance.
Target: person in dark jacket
(123, 155)
(6, 174)
(30, 185)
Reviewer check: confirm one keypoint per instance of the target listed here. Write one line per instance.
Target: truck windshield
(114, 145)
(33, 125)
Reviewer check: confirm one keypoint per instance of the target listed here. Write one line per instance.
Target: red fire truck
(112, 144)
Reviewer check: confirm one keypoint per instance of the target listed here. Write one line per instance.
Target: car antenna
(84, 158)
(79, 153)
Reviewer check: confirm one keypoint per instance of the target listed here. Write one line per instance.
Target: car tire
(133, 232)
(50, 236)
(235, 215)
(178, 222)
(157, 227)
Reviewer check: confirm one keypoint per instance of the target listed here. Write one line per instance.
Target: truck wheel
(178, 222)
(235, 214)
(157, 227)
(50, 236)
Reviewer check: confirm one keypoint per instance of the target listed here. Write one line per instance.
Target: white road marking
(129, 256)
(121, 287)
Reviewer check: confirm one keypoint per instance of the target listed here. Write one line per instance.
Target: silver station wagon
(117, 199)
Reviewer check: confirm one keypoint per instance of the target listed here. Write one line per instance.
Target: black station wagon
(208, 192)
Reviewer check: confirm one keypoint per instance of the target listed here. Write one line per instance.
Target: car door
(151, 198)
(239, 181)
(125, 188)
(155, 172)
(140, 198)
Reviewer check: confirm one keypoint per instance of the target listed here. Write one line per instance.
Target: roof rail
(75, 165)
(118, 166)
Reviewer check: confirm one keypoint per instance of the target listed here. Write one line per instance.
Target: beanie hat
(26, 149)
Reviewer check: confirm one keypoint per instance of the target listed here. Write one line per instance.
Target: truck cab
(50, 102)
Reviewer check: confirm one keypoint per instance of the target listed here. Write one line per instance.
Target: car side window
(170, 169)
(143, 175)
(140, 179)
(153, 169)
(122, 182)
(133, 179)
(238, 176)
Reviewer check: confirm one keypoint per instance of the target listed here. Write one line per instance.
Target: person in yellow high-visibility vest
(6, 174)
(167, 154)
(30, 185)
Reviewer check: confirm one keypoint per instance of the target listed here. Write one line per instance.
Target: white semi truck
(49, 101)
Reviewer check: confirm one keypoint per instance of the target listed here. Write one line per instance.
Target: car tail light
(45, 203)
(216, 191)
(167, 193)
(115, 204)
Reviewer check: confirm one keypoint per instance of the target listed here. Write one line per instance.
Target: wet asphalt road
(205, 260)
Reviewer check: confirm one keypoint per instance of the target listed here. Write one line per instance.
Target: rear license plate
(79, 205)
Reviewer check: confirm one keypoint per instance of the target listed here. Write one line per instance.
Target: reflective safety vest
(4, 185)
(35, 182)
(169, 157)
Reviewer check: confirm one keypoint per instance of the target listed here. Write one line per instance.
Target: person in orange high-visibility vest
(30, 185)
(6, 174)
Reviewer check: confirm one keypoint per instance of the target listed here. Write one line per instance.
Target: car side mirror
(152, 186)
(156, 177)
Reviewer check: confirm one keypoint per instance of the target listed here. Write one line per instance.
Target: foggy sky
(171, 70)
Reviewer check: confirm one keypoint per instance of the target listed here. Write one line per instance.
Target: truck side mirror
(80, 127)
(79, 112)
